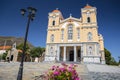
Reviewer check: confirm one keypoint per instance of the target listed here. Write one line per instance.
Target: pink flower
(70, 69)
(77, 78)
(62, 69)
(56, 73)
(53, 67)
(66, 71)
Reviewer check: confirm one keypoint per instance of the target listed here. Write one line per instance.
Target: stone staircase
(83, 72)
(9, 71)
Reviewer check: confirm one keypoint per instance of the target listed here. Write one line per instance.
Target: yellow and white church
(74, 39)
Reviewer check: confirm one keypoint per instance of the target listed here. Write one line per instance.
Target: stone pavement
(103, 72)
(9, 71)
(103, 68)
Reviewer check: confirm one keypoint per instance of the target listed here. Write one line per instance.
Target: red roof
(88, 6)
(5, 47)
(56, 10)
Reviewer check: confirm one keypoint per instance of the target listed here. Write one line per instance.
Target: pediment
(71, 19)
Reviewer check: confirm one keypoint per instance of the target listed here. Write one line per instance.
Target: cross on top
(57, 8)
(70, 15)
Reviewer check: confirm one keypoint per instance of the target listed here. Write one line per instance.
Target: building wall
(85, 26)
(2, 51)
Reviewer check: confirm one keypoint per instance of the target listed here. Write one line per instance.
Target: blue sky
(12, 23)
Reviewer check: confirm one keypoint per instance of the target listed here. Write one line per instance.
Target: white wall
(91, 60)
(2, 51)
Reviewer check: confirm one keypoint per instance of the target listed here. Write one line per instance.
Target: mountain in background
(8, 41)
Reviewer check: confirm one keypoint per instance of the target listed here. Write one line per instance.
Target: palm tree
(27, 53)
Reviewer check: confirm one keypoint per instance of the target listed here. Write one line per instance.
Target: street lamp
(31, 16)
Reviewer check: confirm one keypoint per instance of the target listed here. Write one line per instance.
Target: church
(74, 39)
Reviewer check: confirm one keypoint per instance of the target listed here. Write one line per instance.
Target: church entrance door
(71, 56)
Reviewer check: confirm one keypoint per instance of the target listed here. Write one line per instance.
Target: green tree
(27, 52)
(21, 47)
(109, 59)
(107, 56)
(113, 62)
(36, 52)
(119, 60)
(4, 55)
(0, 56)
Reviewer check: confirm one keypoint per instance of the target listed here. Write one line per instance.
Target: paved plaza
(103, 72)
(9, 71)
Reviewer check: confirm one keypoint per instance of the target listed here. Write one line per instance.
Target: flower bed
(64, 72)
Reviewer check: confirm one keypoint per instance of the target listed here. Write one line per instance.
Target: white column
(58, 53)
(75, 54)
(64, 57)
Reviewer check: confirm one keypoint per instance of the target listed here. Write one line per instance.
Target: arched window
(62, 34)
(88, 19)
(89, 36)
(52, 38)
(53, 23)
(70, 32)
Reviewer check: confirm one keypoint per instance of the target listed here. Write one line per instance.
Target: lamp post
(31, 15)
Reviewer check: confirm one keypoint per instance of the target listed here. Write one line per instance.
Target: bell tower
(89, 15)
(54, 18)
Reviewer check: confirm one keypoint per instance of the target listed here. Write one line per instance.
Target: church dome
(56, 10)
(88, 6)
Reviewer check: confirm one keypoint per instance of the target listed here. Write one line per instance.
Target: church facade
(74, 39)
